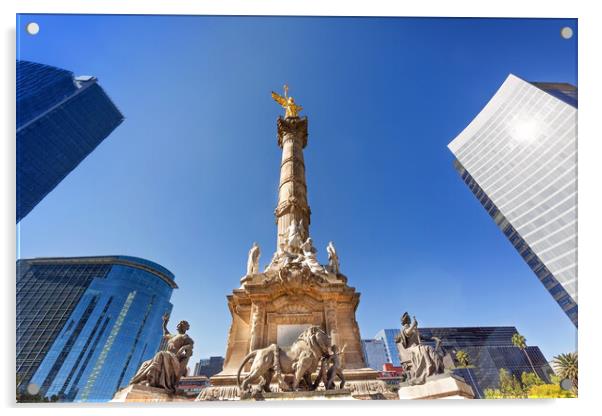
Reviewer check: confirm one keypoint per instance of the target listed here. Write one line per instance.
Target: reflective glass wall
(111, 312)
(60, 120)
(519, 158)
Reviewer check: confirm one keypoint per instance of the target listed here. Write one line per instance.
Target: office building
(388, 337)
(489, 349)
(60, 120)
(191, 386)
(209, 367)
(519, 158)
(85, 324)
(391, 375)
(375, 353)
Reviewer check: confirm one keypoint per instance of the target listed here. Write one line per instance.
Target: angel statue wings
(288, 103)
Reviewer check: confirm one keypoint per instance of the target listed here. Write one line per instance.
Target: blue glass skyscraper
(388, 336)
(60, 120)
(85, 324)
(375, 353)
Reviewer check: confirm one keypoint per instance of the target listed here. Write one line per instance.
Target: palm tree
(463, 358)
(520, 342)
(464, 362)
(566, 366)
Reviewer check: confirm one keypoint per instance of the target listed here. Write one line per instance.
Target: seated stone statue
(166, 368)
(424, 360)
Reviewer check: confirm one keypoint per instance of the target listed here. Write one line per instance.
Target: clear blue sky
(189, 179)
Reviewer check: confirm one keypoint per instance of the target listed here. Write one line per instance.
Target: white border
(590, 68)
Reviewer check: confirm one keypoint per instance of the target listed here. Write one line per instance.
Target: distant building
(191, 386)
(519, 158)
(209, 367)
(391, 375)
(60, 120)
(489, 349)
(388, 336)
(375, 353)
(85, 324)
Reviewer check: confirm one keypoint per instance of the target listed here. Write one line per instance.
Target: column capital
(295, 126)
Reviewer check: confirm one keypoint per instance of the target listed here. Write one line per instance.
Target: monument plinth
(138, 393)
(444, 386)
(294, 292)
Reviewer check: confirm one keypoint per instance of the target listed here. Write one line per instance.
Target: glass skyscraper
(60, 120)
(209, 367)
(519, 158)
(489, 349)
(85, 324)
(388, 336)
(375, 353)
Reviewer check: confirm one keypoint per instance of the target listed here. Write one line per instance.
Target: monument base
(338, 394)
(445, 386)
(362, 384)
(135, 393)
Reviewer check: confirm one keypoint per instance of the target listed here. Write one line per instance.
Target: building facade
(85, 324)
(519, 158)
(60, 120)
(375, 353)
(391, 375)
(191, 386)
(209, 367)
(489, 349)
(388, 337)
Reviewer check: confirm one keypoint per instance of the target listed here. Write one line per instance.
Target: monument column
(292, 190)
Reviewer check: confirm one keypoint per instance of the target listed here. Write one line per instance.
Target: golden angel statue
(288, 103)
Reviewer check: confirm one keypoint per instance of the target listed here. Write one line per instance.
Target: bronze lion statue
(301, 360)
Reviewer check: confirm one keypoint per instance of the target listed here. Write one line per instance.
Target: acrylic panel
(295, 208)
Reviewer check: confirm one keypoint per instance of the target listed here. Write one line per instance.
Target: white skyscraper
(519, 158)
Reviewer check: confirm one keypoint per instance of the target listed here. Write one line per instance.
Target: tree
(23, 396)
(529, 386)
(548, 391)
(463, 358)
(520, 342)
(464, 362)
(566, 366)
(529, 380)
(510, 387)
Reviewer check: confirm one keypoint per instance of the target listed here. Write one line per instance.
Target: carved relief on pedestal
(275, 319)
(257, 325)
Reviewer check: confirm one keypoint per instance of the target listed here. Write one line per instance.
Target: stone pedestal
(342, 394)
(361, 383)
(445, 386)
(136, 393)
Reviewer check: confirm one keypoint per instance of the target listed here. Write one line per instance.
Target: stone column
(292, 191)
(257, 325)
(330, 312)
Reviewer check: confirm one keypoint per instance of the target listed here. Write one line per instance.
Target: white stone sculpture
(333, 258)
(253, 260)
(309, 257)
(294, 237)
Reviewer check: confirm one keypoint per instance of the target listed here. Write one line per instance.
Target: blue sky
(189, 179)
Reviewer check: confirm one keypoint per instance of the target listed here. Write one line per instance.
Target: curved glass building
(85, 324)
(519, 158)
